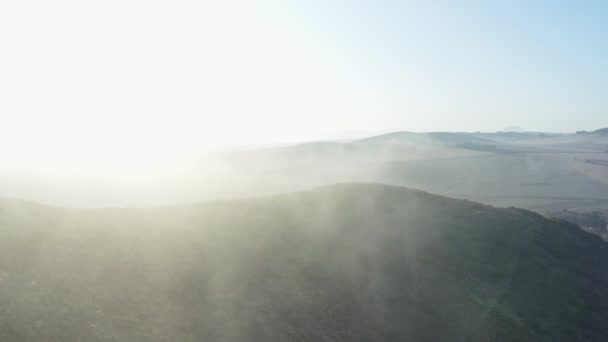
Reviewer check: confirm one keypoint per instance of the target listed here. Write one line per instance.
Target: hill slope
(594, 141)
(431, 138)
(358, 262)
(342, 155)
(601, 131)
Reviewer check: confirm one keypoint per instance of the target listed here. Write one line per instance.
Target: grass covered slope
(352, 262)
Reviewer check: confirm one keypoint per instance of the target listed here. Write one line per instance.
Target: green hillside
(351, 262)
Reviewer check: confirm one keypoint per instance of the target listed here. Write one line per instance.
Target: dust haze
(303, 171)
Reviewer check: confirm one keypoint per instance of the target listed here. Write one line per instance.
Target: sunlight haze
(303, 170)
(120, 88)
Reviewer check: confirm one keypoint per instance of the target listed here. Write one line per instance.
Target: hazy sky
(138, 77)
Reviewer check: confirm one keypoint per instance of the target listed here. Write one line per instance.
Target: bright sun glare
(98, 87)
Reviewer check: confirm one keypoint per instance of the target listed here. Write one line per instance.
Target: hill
(510, 137)
(515, 129)
(343, 154)
(593, 141)
(350, 262)
(601, 131)
(431, 138)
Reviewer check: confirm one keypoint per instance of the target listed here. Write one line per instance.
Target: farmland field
(541, 179)
(541, 182)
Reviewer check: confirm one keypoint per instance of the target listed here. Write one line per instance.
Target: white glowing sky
(121, 82)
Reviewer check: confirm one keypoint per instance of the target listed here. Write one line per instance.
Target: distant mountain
(602, 131)
(387, 147)
(509, 137)
(516, 129)
(351, 262)
(380, 148)
(431, 138)
(591, 141)
(344, 135)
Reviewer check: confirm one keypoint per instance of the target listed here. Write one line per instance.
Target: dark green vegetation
(357, 262)
(593, 219)
(593, 222)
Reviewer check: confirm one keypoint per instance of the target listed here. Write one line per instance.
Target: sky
(122, 81)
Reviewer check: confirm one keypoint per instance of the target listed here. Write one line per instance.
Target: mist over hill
(303, 171)
(350, 262)
(584, 142)
(550, 171)
(430, 138)
(601, 131)
(514, 129)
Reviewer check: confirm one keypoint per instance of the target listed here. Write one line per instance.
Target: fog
(344, 262)
(496, 168)
(309, 170)
(150, 177)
